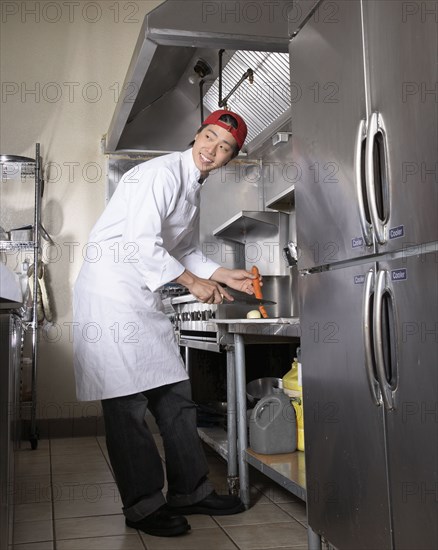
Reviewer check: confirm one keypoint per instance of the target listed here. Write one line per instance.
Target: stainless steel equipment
(365, 136)
(10, 342)
(21, 202)
(263, 236)
(158, 107)
(10, 338)
(195, 322)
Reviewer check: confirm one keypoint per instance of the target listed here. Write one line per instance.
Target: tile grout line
(108, 463)
(271, 501)
(225, 533)
(142, 541)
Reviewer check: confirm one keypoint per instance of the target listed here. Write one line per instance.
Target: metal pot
(262, 387)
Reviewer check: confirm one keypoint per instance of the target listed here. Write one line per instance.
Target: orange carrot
(258, 290)
(256, 283)
(263, 312)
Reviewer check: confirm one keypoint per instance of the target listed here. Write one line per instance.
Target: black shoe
(161, 523)
(212, 505)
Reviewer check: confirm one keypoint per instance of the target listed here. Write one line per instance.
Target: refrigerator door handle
(361, 191)
(367, 327)
(375, 154)
(387, 391)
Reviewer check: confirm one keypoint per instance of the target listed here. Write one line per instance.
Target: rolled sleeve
(199, 264)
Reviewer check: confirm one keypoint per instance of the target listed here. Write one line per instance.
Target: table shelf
(17, 245)
(288, 470)
(216, 438)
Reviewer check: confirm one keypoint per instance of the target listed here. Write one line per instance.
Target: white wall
(61, 64)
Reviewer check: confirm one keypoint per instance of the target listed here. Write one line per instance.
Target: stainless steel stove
(196, 323)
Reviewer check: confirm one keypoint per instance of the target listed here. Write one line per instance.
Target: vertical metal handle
(360, 190)
(378, 224)
(387, 396)
(372, 382)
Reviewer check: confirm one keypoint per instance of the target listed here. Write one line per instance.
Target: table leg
(242, 433)
(187, 361)
(233, 476)
(313, 539)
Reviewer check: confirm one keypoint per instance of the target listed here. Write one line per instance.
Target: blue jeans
(134, 457)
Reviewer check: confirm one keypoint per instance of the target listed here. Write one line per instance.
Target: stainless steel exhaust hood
(159, 108)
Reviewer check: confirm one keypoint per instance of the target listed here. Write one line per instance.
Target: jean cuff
(205, 489)
(144, 507)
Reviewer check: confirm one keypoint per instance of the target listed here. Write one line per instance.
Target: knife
(243, 298)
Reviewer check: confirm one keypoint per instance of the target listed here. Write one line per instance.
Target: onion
(253, 314)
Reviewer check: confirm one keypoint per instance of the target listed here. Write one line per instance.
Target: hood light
(201, 70)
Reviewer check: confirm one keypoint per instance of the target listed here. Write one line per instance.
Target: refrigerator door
(412, 426)
(347, 494)
(328, 125)
(401, 44)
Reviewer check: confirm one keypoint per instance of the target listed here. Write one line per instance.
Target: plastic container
(293, 387)
(272, 426)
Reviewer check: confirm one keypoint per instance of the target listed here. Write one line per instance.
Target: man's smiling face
(214, 147)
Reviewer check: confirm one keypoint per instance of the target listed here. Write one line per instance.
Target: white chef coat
(146, 237)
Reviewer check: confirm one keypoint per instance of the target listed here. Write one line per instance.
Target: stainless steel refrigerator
(364, 123)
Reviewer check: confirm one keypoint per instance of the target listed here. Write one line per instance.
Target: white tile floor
(66, 499)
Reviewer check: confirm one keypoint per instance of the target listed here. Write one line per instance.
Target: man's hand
(239, 279)
(206, 291)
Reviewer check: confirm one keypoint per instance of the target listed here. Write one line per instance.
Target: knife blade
(243, 298)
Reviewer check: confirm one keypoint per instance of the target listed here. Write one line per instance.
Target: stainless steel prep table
(287, 470)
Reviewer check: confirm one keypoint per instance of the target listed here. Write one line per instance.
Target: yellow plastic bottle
(293, 387)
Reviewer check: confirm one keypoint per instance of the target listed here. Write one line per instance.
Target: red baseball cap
(239, 133)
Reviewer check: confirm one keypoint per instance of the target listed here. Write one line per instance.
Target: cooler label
(359, 279)
(397, 232)
(399, 274)
(357, 242)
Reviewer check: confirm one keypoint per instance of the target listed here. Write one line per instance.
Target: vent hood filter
(262, 102)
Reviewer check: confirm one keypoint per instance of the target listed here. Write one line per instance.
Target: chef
(125, 351)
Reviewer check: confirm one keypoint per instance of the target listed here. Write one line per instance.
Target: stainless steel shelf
(199, 344)
(17, 245)
(284, 201)
(251, 224)
(288, 470)
(279, 327)
(216, 438)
